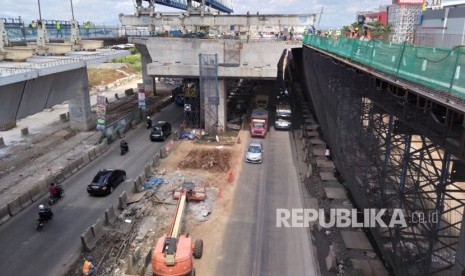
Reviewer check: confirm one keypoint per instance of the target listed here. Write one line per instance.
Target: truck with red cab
(259, 122)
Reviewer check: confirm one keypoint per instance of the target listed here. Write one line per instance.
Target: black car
(105, 181)
(179, 100)
(160, 131)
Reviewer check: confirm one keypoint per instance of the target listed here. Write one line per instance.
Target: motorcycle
(42, 220)
(149, 124)
(124, 149)
(60, 194)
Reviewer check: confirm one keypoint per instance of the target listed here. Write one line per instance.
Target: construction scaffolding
(390, 148)
(208, 65)
(403, 18)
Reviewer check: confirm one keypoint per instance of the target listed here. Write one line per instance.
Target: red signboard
(410, 2)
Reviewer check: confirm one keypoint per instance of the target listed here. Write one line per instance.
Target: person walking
(58, 27)
(33, 27)
(87, 28)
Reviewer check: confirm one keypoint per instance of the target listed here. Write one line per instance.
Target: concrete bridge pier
(80, 113)
(149, 83)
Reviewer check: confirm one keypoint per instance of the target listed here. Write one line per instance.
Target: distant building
(442, 26)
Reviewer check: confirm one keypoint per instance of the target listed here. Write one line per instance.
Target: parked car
(105, 182)
(160, 131)
(254, 153)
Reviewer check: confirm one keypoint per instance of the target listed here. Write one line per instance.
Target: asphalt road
(24, 251)
(252, 244)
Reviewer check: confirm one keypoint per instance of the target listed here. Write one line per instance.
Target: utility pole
(319, 18)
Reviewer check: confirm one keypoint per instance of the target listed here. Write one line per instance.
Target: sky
(336, 13)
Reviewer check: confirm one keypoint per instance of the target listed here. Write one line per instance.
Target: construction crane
(173, 253)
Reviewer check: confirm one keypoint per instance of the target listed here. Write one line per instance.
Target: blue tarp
(153, 182)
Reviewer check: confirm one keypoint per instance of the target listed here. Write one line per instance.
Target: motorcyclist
(53, 190)
(45, 213)
(149, 122)
(124, 145)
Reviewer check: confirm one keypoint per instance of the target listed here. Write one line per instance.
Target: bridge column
(149, 83)
(80, 113)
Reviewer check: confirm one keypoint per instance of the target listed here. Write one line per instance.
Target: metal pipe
(72, 11)
(40, 14)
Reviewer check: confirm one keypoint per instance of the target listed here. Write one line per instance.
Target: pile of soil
(213, 160)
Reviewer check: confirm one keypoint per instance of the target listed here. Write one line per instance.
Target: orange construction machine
(172, 255)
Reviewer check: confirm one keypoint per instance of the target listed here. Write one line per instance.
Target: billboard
(410, 2)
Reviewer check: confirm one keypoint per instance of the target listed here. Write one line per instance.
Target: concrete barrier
(143, 178)
(97, 229)
(88, 240)
(85, 159)
(39, 189)
(24, 132)
(134, 262)
(97, 151)
(59, 177)
(25, 200)
(147, 171)
(92, 154)
(74, 166)
(110, 215)
(123, 201)
(66, 172)
(155, 161)
(14, 207)
(4, 214)
(138, 187)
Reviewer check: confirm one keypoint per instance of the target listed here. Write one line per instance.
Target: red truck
(259, 122)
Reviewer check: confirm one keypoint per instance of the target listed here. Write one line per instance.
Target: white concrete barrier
(88, 240)
(4, 214)
(14, 207)
(110, 215)
(97, 229)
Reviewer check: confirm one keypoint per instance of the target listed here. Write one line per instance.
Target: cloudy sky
(336, 13)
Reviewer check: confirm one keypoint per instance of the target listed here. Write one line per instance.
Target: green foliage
(133, 61)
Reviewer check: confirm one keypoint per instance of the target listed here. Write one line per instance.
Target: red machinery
(172, 255)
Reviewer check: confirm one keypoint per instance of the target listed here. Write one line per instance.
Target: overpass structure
(397, 134)
(44, 81)
(237, 53)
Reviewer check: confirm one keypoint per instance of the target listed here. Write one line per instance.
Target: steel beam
(178, 20)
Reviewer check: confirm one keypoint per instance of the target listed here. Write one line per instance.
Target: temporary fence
(436, 68)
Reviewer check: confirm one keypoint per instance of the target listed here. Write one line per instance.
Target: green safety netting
(436, 68)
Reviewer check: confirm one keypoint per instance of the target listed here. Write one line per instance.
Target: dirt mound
(214, 160)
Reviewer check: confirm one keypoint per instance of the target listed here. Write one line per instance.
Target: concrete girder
(236, 59)
(180, 20)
